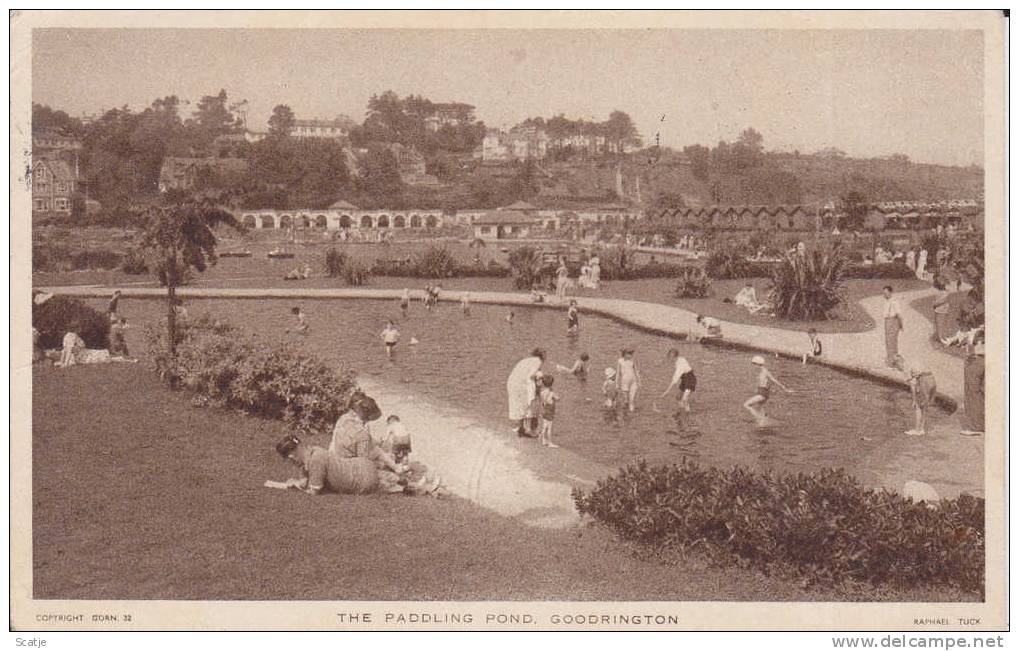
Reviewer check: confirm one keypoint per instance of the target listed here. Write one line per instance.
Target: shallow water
(831, 420)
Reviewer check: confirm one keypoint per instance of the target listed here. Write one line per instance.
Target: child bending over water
(922, 387)
(755, 404)
(579, 368)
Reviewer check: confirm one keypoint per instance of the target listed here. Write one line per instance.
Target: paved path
(944, 459)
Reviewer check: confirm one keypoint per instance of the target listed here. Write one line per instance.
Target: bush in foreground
(61, 314)
(266, 379)
(822, 526)
(809, 287)
(693, 283)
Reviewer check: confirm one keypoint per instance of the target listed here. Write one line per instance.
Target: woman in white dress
(521, 389)
(921, 265)
(595, 265)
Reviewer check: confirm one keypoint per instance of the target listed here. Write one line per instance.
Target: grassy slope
(136, 494)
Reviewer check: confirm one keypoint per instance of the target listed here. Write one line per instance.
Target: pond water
(832, 419)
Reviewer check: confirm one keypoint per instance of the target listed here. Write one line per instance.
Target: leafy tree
(180, 236)
(44, 117)
(854, 207)
(213, 117)
(281, 122)
(700, 161)
(380, 175)
(620, 130)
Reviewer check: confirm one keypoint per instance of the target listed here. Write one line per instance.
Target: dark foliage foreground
(268, 379)
(823, 527)
(61, 314)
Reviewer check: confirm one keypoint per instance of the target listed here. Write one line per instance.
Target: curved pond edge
(619, 310)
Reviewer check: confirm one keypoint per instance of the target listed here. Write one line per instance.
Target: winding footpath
(512, 477)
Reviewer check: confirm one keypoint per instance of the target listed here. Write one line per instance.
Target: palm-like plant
(809, 287)
(180, 236)
(528, 267)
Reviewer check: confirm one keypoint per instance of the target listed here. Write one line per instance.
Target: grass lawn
(139, 495)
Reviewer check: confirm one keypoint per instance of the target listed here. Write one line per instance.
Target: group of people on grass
(74, 350)
(355, 463)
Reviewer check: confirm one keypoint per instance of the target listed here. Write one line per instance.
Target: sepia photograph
(488, 320)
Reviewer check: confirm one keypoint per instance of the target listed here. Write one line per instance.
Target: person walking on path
(893, 325)
(973, 383)
(942, 309)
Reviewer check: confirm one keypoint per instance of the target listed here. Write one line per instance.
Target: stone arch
(304, 221)
(321, 221)
(366, 221)
(415, 221)
(383, 221)
(268, 221)
(286, 221)
(345, 221)
(431, 221)
(249, 221)
(399, 221)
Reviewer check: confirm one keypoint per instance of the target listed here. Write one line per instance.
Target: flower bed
(822, 526)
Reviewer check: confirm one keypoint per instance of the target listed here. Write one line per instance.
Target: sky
(869, 93)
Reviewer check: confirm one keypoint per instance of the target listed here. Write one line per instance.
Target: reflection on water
(830, 420)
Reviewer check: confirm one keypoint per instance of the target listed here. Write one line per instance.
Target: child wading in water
(579, 368)
(405, 301)
(302, 322)
(683, 377)
(390, 335)
(548, 400)
(755, 405)
(611, 393)
(815, 346)
(627, 378)
(573, 318)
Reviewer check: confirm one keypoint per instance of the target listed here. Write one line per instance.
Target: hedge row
(267, 379)
(57, 257)
(822, 526)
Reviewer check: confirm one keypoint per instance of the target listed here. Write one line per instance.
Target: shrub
(726, 260)
(615, 263)
(809, 287)
(356, 273)
(528, 267)
(822, 526)
(435, 262)
(266, 379)
(134, 263)
(693, 283)
(97, 259)
(336, 260)
(61, 314)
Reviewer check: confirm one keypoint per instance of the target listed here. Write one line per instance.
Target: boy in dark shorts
(755, 404)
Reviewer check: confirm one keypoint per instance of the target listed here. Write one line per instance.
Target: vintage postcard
(508, 320)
